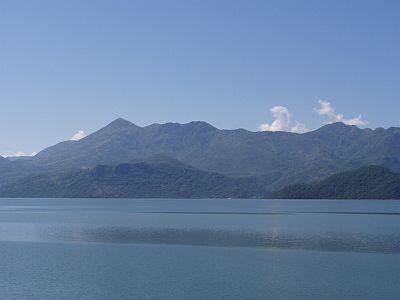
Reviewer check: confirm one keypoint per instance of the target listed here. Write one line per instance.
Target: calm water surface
(199, 249)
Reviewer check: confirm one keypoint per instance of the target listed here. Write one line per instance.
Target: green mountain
(157, 177)
(275, 158)
(272, 160)
(372, 182)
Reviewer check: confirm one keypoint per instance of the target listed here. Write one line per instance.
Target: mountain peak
(120, 122)
(201, 125)
(338, 126)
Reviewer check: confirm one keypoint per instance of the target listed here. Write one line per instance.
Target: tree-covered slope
(372, 182)
(155, 178)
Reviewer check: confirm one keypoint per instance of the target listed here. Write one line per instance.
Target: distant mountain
(4, 161)
(371, 182)
(13, 170)
(14, 158)
(122, 141)
(272, 160)
(156, 177)
(276, 159)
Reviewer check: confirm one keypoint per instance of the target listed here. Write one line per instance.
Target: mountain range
(266, 161)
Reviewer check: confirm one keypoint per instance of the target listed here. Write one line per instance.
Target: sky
(68, 68)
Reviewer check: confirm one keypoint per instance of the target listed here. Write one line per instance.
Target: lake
(199, 249)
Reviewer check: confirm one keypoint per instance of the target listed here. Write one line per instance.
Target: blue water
(199, 249)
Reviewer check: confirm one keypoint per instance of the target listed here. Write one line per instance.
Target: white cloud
(283, 121)
(19, 154)
(325, 109)
(78, 136)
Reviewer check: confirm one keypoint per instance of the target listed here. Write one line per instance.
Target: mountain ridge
(273, 159)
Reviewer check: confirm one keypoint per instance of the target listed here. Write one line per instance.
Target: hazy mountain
(14, 158)
(17, 169)
(4, 161)
(272, 160)
(371, 182)
(275, 158)
(157, 177)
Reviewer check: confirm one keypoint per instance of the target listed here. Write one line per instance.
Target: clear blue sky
(78, 64)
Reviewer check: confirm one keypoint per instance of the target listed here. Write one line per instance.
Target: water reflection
(344, 242)
(350, 226)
